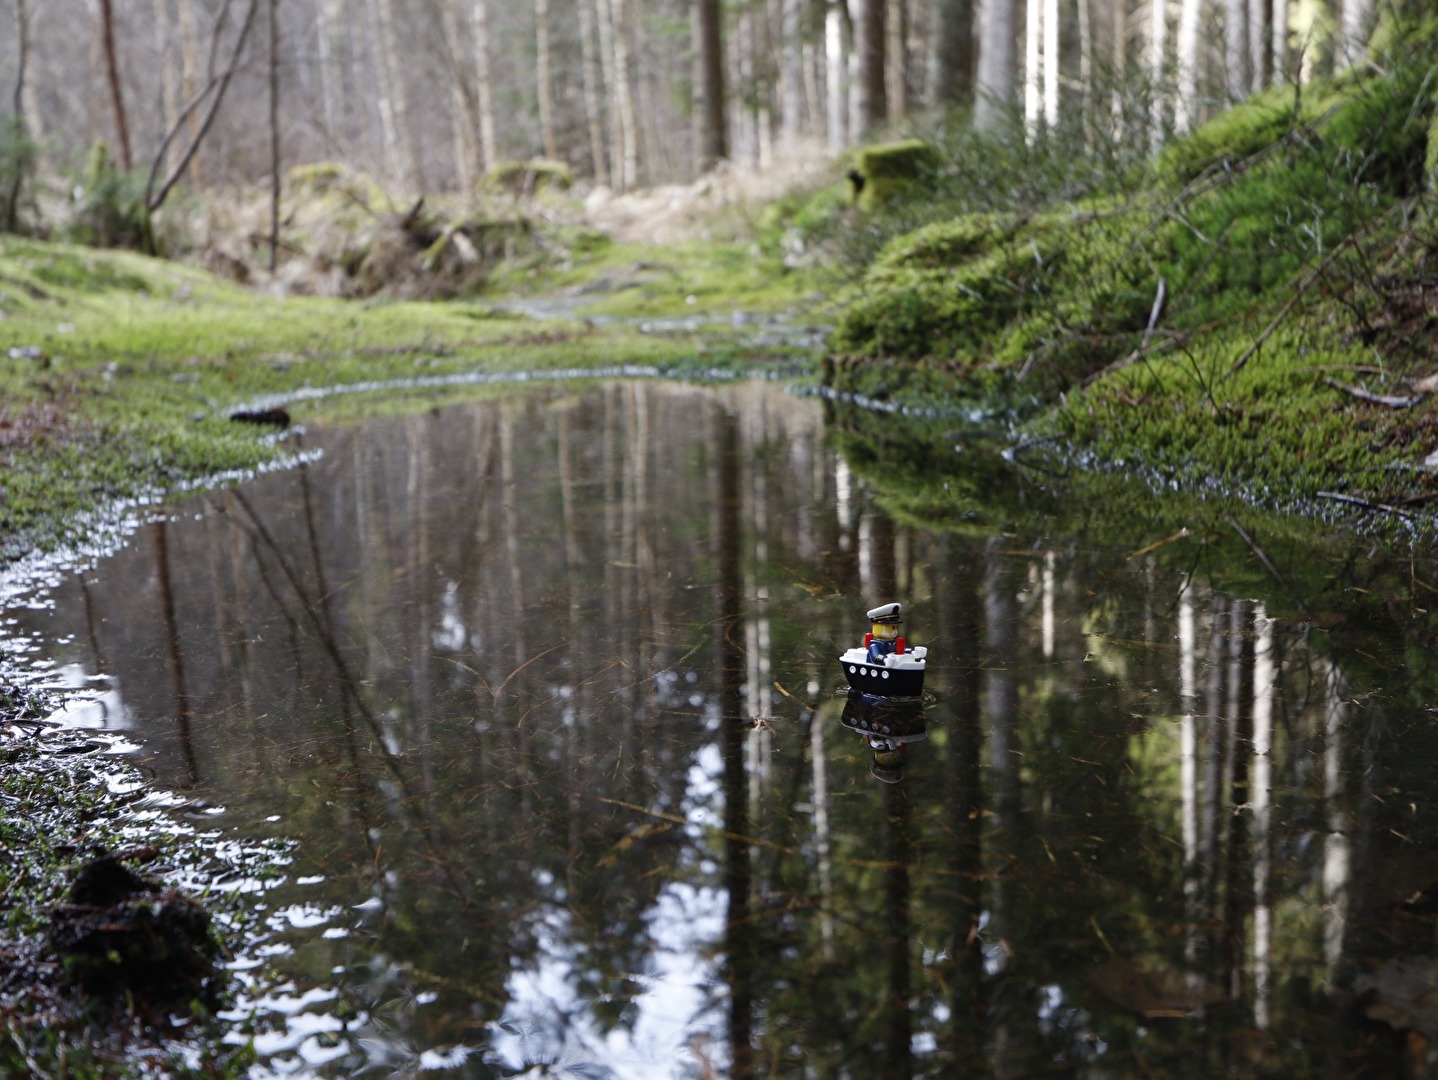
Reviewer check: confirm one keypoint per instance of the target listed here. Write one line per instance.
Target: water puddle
(543, 691)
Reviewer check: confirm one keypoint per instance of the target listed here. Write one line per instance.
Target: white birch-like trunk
(1280, 42)
(1033, 65)
(190, 81)
(1355, 28)
(483, 84)
(1051, 63)
(326, 18)
(1157, 64)
(835, 68)
(1235, 49)
(1185, 106)
(1259, 54)
(998, 62)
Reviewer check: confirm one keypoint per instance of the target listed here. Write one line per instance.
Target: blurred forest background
(432, 95)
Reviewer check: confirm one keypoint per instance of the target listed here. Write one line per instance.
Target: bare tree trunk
(112, 74)
(1052, 60)
(274, 80)
(1280, 42)
(542, 74)
(1157, 63)
(835, 71)
(1357, 26)
(484, 85)
(22, 57)
(951, 61)
(896, 64)
(1260, 55)
(624, 98)
(461, 108)
(593, 100)
(604, 15)
(190, 81)
(169, 101)
(406, 149)
(1185, 106)
(871, 108)
(1033, 66)
(325, 20)
(998, 63)
(713, 143)
(389, 135)
(791, 73)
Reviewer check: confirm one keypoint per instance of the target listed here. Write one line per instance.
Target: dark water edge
(543, 690)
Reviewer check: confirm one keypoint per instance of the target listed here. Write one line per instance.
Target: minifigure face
(886, 631)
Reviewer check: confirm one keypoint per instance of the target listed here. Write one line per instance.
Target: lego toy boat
(885, 666)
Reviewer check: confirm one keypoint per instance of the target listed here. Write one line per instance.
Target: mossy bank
(1249, 315)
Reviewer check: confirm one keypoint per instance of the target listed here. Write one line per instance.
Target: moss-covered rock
(886, 172)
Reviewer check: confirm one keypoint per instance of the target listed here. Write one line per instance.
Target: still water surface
(544, 687)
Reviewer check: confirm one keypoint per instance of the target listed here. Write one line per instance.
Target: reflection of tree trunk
(1264, 672)
(1337, 861)
(730, 666)
(1238, 893)
(898, 1052)
(1001, 704)
(172, 645)
(960, 630)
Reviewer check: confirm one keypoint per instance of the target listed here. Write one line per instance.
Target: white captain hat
(886, 613)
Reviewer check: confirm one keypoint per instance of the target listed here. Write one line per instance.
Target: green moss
(529, 177)
(893, 171)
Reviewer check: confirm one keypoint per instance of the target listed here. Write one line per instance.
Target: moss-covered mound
(1253, 316)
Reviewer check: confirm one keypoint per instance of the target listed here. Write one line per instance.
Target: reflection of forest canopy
(537, 599)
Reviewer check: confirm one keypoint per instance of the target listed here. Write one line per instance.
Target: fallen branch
(1353, 500)
(1376, 399)
(1262, 557)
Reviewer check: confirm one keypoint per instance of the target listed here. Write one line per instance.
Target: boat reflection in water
(888, 728)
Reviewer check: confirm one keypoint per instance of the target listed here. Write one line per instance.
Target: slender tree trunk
(713, 142)
(389, 134)
(1157, 65)
(112, 75)
(998, 63)
(22, 58)
(896, 70)
(406, 148)
(461, 106)
(593, 86)
(483, 84)
(604, 15)
(190, 82)
(1052, 59)
(545, 79)
(1085, 37)
(325, 20)
(1033, 65)
(836, 69)
(1185, 106)
(951, 61)
(871, 108)
(169, 101)
(1260, 52)
(1280, 42)
(1357, 25)
(274, 80)
(791, 74)
(624, 97)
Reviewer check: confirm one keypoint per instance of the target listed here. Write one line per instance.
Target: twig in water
(1262, 557)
